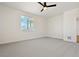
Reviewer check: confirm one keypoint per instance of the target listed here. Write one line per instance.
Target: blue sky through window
(24, 22)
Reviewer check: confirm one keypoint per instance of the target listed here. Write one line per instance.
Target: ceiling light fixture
(45, 8)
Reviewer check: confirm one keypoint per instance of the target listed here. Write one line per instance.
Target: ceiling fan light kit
(45, 6)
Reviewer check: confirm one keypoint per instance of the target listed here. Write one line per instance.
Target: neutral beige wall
(64, 26)
(55, 27)
(10, 25)
(69, 25)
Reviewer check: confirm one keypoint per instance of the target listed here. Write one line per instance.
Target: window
(26, 23)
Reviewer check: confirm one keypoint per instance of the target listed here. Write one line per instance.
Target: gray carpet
(41, 47)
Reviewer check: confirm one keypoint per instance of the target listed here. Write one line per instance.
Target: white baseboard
(8, 42)
(1, 43)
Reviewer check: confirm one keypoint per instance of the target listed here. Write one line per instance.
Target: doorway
(77, 29)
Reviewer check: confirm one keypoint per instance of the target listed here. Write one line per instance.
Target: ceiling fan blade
(51, 5)
(44, 4)
(41, 4)
(42, 9)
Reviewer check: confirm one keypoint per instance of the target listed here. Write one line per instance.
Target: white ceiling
(34, 7)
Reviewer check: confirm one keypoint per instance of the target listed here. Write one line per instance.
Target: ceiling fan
(45, 6)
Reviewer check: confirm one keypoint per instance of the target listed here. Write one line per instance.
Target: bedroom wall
(64, 26)
(1, 28)
(10, 25)
(55, 27)
(69, 25)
